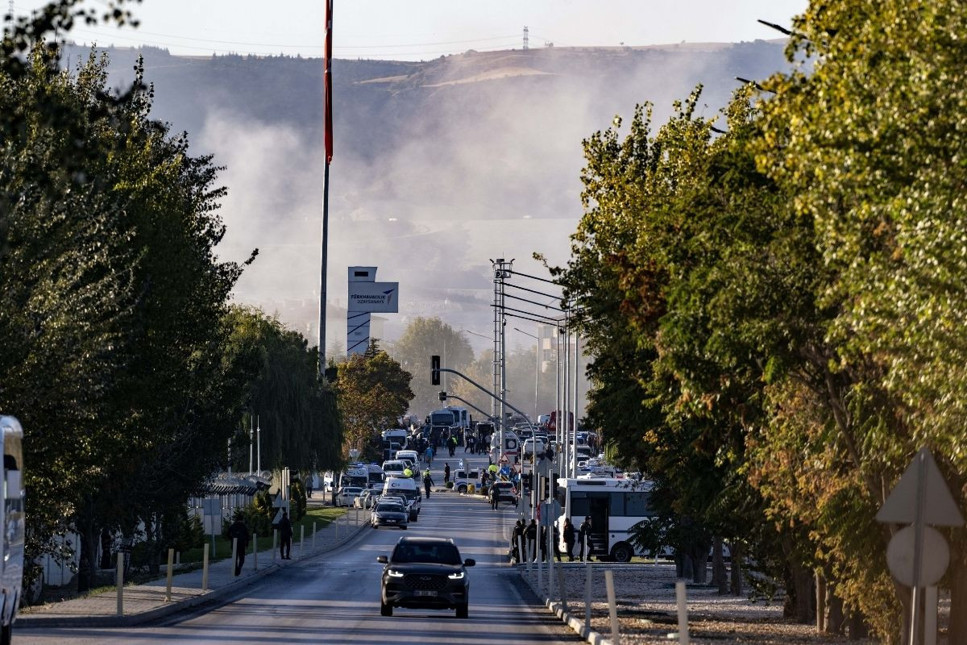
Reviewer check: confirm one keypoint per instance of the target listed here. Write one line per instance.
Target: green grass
(322, 516)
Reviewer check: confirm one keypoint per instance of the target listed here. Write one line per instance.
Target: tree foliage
(776, 312)
(423, 338)
(112, 306)
(374, 392)
(297, 412)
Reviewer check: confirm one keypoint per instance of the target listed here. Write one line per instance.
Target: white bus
(12, 536)
(614, 506)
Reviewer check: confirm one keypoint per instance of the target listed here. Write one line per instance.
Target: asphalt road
(334, 598)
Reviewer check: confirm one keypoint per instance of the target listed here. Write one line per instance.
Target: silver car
(388, 513)
(347, 495)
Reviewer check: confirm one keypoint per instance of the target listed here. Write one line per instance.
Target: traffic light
(434, 370)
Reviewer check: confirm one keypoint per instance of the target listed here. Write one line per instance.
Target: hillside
(428, 157)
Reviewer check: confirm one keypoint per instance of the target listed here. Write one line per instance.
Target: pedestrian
(584, 535)
(468, 444)
(427, 482)
(557, 543)
(238, 531)
(285, 536)
(494, 496)
(569, 538)
(531, 533)
(515, 541)
(452, 444)
(429, 455)
(446, 474)
(309, 488)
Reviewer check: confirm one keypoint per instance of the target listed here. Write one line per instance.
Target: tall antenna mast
(526, 39)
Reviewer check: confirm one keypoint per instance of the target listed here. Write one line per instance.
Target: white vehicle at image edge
(12, 536)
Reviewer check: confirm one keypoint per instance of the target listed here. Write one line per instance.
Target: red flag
(327, 75)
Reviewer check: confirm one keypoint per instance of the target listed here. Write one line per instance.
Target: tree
(374, 392)
(423, 338)
(678, 270)
(868, 143)
(298, 415)
(113, 305)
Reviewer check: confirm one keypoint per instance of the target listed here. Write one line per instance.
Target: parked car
(425, 573)
(347, 495)
(366, 499)
(392, 513)
(507, 492)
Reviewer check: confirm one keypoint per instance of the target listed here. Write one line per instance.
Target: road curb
(573, 622)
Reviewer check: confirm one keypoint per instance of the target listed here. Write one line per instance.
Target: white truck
(12, 537)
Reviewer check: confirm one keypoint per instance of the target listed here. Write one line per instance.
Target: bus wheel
(622, 552)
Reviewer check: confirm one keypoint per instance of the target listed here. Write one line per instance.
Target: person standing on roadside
(569, 538)
(494, 496)
(427, 482)
(238, 531)
(446, 474)
(515, 541)
(285, 536)
(584, 535)
(531, 533)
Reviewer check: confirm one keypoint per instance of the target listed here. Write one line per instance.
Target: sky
(426, 29)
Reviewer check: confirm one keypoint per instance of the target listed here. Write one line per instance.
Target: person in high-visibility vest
(427, 482)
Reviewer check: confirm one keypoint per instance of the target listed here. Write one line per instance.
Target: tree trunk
(699, 568)
(153, 545)
(820, 602)
(737, 582)
(958, 596)
(88, 534)
(683, 566)
(836, 622)
(801, 609)
(719, 574)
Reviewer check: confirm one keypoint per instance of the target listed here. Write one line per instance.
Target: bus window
(636, 504)
(579, 504)
(618, 504)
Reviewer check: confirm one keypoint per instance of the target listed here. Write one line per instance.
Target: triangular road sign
(939, 507)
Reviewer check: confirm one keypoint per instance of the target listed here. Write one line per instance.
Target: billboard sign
(374, 297)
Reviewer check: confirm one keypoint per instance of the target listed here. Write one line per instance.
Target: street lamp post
(537, 371)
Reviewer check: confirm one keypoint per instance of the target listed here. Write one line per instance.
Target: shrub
(297, 492)
(449, 485)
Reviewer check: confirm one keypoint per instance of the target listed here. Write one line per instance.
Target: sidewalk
(146, 602)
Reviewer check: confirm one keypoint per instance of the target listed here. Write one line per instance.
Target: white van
(407, 488)
(511, 447)
(395, 434)
(394, 467)
(411, 455)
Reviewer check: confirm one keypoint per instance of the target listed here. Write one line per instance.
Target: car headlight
(456, 576)
(393, 573)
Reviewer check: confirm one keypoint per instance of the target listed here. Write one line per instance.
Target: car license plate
(425, 593)
(389, 521)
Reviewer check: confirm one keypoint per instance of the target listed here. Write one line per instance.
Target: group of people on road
(528, 533)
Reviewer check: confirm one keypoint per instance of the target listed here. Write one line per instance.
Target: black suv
(425, 572)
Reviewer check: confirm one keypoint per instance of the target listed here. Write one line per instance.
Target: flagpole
(327, 154)
(325, 262)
